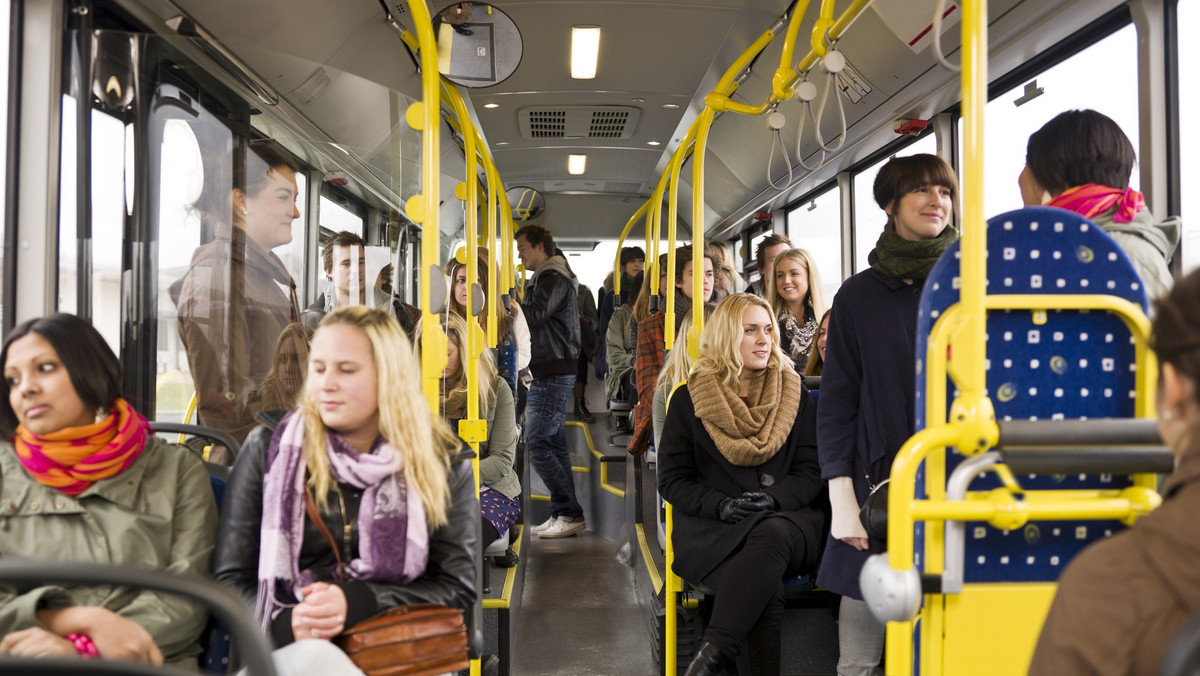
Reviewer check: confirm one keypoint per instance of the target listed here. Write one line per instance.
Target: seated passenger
(797, 298)
(640, 312)
(281, 388)
(651, 343)
(618, 379)
(739, 463)
(511, 356)
(1121, 600)
(633, 261)
(816, 365)
(364, 452)
(676, 368)
(1081, 161)
(85, 480)
(236, 296)
(500, 492)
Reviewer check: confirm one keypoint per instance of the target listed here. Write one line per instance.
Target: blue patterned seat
(1074, 365)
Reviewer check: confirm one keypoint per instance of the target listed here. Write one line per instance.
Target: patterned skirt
(501, 511)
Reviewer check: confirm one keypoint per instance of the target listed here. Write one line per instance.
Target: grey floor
(579, 613)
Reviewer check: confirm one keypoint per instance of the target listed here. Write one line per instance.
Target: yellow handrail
(621, 243)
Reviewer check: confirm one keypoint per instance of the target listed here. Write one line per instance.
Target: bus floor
(579, 613)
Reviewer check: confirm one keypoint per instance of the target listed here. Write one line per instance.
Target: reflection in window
(1189, 142)
(815, 226)
(1076, 83)
(869, 219)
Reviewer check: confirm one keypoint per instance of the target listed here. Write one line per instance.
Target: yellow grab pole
(786, 75)
(621, 242)
(835, 31)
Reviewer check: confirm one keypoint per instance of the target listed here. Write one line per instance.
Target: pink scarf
(1091, 199)
(74, 458)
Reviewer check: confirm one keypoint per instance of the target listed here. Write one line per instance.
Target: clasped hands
(733, 510)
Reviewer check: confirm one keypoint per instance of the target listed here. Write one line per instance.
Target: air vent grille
(606, 122)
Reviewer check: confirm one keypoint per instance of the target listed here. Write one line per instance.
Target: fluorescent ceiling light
(653, 143)
(576, 164)
(491, 105)
(585, 51)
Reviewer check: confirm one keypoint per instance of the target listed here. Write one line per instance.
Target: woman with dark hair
(1122, 600)
(83, 479)
(739, 465)
(512, 331)
(1081, 161)
(816, 365)
(236, 297)
(867, 386)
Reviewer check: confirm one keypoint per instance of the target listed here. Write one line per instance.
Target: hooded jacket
(1121, 601)
(1148, 245)
(550, 309)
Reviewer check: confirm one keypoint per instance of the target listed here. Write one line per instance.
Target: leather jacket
(550, 308)
(449, 576)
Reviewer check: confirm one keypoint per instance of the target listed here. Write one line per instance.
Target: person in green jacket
(83, 479)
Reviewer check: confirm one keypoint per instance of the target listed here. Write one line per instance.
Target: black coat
(449, 576)
(551, 309)
(694, 477)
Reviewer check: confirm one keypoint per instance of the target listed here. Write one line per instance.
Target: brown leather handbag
(422, 639)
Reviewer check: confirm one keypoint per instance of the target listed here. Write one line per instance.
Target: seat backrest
(1070, 364)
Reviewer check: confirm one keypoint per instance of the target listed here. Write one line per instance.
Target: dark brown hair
(343, 238)
(760, 251)
(94, 370)
(535, 235)
(902, 175)
(1176, 328)
(683, 256)
(1079, 147)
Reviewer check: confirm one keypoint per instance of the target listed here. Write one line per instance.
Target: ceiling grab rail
(676, 168)
(637, 215)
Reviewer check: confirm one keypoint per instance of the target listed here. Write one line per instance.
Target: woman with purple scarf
(387, 476)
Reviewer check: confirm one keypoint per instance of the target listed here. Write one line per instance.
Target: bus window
(108, 193)
(1075, 83)
(5, 11)
(1189, 142)
(815, 225)
(869, 219)
(336, 217)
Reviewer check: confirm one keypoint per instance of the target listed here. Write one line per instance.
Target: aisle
(579, 615)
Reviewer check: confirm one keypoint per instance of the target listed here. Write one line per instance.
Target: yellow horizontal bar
(651, 569)
(587, 434)
(510, 578)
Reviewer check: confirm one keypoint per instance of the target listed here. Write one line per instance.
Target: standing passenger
(764, 257)
(86, 481)
(797, 298)
(867, 387)
(550, 307)
(511, 355)
(1122, 600)
(344, 256)
(739, 465)
(1081, 161)
(236, 296)
(364, 454)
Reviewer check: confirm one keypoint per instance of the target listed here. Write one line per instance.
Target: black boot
(581, 411)
(709, 661)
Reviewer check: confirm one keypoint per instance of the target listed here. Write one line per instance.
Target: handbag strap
(310, 508)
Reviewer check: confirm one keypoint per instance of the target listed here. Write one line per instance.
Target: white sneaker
(562, 528)
(543, 525)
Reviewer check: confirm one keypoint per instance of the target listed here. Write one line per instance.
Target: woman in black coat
(739, 464)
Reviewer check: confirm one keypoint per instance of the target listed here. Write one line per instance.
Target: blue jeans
(546, 441)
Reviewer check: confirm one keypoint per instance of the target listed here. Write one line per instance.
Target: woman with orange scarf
(83, 479)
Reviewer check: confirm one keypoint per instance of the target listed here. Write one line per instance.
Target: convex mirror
(478, 45)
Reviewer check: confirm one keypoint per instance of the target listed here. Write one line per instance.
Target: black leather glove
(729, 511)
(756, 501)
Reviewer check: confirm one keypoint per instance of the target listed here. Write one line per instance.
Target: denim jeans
(546, 441)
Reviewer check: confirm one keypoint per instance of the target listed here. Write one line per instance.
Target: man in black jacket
(550, 309)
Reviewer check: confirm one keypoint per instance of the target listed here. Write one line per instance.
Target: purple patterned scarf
(393, 537)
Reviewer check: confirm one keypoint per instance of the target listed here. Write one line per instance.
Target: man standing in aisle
(550, 308)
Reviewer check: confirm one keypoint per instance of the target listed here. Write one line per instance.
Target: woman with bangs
(512, 352)
(500, 489)
(739, 463)
(867, 385)
(363, 457)
(797, 299)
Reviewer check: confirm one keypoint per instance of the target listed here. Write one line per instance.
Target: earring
(101, 413)
(1166, 414)
(245, 211)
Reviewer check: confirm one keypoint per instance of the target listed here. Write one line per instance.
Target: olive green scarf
(901, 258)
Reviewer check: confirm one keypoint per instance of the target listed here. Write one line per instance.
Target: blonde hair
(456, 332)
(720, 341)
(815, 298)
(423, 441)
(678, 364)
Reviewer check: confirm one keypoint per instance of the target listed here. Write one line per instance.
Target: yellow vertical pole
(489, 236)
(974, 243)
(674, 168)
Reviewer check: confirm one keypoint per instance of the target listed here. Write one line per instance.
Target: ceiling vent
(614, 122)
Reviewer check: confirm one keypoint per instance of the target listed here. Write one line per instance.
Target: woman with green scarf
(867, 387)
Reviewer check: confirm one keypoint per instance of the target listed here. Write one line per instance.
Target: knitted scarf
(393, 538)
(901, 258)
(1091, 199)
(748, 433)
(74, 458)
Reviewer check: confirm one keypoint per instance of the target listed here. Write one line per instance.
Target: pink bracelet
(84, 646)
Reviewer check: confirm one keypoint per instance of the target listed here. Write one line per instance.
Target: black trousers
(749, 592)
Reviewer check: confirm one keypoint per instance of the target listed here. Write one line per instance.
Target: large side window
(1102, 77)
(815, 226)
(5, 12)
(869, 219)
(1189, 142)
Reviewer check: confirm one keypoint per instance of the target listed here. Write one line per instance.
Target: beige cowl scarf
(748, 433)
